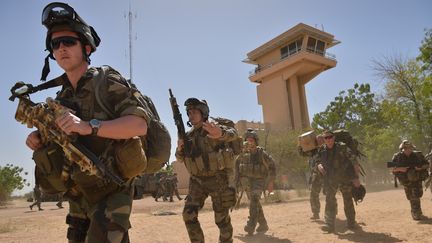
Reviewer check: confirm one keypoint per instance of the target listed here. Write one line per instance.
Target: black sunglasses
(67, 41)
(328, 137)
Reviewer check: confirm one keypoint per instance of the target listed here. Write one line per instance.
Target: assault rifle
(181, 132)
(404, 164)
(43, 116)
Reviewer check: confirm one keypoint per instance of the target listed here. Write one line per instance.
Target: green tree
(407, 98)
(355, 109)
(426, 51)
(10, 180)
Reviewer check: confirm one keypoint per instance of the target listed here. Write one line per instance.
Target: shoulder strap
(100, 78)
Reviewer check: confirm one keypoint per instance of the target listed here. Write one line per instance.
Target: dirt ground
(383, 216)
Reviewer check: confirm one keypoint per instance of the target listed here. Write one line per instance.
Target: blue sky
(196, 47)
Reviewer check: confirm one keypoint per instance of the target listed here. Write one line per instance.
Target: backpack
(235, 145)
(157, 142)
(345, 137)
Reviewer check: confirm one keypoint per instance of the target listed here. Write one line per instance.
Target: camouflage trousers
(105, 221)
(331, 203)
(223, 198)
(413, 192)
(315, 189)
(254, 188)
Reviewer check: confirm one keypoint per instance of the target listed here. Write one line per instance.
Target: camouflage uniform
(339, 164)
(315, 181)
(37, 194)
(253, 170)
(412, 184)
(99, 209)
(171, 188)
(161, 188)
(210, 167)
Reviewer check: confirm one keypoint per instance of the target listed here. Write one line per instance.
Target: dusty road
(384, 217)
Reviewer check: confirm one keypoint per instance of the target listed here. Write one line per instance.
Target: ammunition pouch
(49, 166)
(224, 199)
(78, 228)
(252, 170)
(414, 175)
(217, 161)
(131, 159)
(92, 187)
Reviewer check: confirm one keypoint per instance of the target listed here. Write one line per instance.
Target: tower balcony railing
(291, 53)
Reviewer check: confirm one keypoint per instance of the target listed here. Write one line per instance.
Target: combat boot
(31, 207)
(418, 216)
(315, 216)
(328, 228)
(262, 228)
(249, 229)
(352, 225)
(59, 205)
(40, 209)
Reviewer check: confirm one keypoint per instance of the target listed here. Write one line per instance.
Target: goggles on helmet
(58, 12)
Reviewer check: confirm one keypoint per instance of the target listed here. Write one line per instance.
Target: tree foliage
(10, 180)
(426, 51)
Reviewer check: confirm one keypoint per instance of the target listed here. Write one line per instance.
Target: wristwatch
(95, 124)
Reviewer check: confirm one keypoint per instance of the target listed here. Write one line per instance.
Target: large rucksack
(157, 142)
(342, 135)
(235, 145)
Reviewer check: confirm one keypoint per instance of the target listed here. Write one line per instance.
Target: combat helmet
(201, 105)
(59, 16)
(251, 133)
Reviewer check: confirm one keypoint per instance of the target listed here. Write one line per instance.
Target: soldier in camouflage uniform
(316, 178)
(210, 164)
(171, 187)
(255, 169)
(99, 208)
(338, 166)
(160, 187)
(37, 194)
(411, 175)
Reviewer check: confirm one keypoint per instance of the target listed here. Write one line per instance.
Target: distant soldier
(255, 171)
(37, 194)
(210, 163)
(171, 187)
(338, 166)
(316, 178)
(411, 170)
(161, 187)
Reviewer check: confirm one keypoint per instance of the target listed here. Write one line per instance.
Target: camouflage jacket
(207, 155)
(82, 101)
(255, 165)
(338, 162)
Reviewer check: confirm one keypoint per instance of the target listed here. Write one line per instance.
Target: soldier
(171, 187)
(161, 187)
(37, 194)
(316, 179)
(99, 208)
(210, 164)
(255, 171)
(338, 166)
(411, 170)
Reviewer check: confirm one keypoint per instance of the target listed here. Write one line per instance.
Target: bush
(10, 180)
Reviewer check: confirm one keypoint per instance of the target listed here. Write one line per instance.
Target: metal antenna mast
(130, 41)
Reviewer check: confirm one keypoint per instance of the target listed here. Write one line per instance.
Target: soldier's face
(68, 56)
(195, 116)
(251, 142)
(407, 151)
(329, 140)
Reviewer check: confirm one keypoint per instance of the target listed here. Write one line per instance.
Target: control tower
(283, 67)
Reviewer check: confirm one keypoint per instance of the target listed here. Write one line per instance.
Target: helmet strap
(86, 57)
(46, 67)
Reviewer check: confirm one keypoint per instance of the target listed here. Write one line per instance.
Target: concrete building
(283, 66)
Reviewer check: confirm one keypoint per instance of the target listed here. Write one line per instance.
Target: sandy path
(384, 217)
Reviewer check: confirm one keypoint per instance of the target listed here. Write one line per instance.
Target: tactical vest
(208, 155)
(412, 175)
(338, 162)
(253, 165)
